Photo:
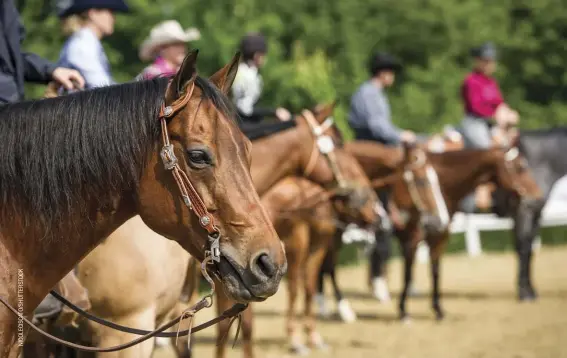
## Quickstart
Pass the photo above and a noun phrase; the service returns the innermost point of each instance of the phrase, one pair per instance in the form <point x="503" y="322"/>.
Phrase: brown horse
<point x="460" y="172"/>
<point x="406" y="172"/>
<point x="76" y="167"/>
<point x="307" y="235"/>
<point x="149" y="301"/>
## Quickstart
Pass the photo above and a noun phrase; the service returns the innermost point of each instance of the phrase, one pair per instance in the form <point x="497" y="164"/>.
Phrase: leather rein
<point x="193" y="201"/>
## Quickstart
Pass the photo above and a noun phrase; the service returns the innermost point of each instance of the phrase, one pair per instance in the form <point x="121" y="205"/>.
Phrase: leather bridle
<point x="323" y="144"/>
<point x="408" y="175"/>
<point x="190" y="197"/>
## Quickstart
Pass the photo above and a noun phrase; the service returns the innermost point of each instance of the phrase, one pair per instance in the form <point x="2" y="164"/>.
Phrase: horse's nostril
<point x="266" y="265"/>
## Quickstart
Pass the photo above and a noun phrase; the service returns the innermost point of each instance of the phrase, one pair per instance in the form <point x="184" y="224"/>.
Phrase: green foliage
<point x="318" y="49"/>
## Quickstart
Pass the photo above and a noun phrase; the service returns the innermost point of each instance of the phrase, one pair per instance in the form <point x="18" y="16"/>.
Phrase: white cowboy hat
<point x="166" y="32"/>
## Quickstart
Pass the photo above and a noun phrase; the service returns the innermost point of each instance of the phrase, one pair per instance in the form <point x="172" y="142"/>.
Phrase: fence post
<point x="536" y="245"/>
<point x="472" y="238"/>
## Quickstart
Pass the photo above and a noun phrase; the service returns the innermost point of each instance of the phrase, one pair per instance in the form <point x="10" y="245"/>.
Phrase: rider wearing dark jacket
<point x="17" y="67"/>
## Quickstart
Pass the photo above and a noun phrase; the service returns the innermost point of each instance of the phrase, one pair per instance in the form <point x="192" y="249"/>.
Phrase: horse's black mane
<point x="55" y="154"/>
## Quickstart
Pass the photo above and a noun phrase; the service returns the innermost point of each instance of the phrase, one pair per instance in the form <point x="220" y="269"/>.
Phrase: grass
<point x="492" y="241"/>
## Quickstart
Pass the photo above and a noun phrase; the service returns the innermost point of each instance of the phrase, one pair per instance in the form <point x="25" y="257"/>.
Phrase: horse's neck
<point x="543" y="154"/>
<point x="277" y="157"/>
<point x="47" y="254"/>
<point x="375" y="159"/>
<point x="463" y="173"/>
<point x="297" y="198"/>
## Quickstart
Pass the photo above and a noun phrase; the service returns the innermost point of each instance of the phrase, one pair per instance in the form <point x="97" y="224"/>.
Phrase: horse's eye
<point x="199" y="159"/>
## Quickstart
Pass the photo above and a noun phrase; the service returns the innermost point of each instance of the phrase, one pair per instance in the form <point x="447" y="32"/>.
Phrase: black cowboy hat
<point x="485" y="51"/>
<point x="383" y="61"/>
<point x="253" y="43"/>
<point x="71" y="7"/>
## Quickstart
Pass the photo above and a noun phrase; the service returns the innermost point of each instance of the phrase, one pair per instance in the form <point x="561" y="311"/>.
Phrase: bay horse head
<point x="198" y="190"/>
<point x="514" y="176"/>
<point x="419" y="190"/>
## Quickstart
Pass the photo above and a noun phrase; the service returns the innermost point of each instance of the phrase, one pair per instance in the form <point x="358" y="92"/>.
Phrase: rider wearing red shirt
<point x="483" y="102"/>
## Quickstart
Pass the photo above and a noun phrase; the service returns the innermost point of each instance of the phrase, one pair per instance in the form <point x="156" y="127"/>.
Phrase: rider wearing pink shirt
<point x="483" y="102"/>
<point x="167" y="47"/>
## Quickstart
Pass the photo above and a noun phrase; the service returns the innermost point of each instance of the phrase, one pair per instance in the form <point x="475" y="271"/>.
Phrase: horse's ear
<point x="324" y="111"/>
<point x="187" y="73"/>
<point x="224" y="77"/>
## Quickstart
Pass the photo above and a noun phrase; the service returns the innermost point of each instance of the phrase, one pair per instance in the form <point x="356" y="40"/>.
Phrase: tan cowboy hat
<point x="164" y="33"/>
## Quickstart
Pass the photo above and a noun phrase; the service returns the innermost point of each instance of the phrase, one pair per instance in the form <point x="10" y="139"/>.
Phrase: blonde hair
<point x="73" y="23"/>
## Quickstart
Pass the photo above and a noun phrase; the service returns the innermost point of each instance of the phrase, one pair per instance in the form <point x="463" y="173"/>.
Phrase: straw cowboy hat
<point x="165" y="33"/>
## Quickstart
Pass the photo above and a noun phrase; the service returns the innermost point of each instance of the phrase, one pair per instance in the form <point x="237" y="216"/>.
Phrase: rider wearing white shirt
<point x="247" y="86"/>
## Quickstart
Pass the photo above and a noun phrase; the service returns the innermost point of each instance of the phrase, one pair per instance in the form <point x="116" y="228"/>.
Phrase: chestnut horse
<point x="460" y="172"/>
<point x="149" y="300"/>
<point x="77" y="167"/>
<point x="406" y="172"/>
<point x="307" y="235"/>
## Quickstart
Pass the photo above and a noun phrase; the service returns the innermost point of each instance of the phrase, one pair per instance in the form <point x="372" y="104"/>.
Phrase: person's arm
<point x="377" y="115"/>
<point x="36" y="69"/>
<point x="85" y="57"/>
<point x="472" y="93"/>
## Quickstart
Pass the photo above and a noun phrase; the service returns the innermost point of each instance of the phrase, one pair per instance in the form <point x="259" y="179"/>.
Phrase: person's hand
<point x="514" y="118"/>
<point x="407" y="137"/>
<point x="68" y="78"/>
<point x="283" y="114"/>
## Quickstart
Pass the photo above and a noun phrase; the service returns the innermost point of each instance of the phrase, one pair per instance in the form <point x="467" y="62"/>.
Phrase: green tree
<point x="318" y="49"/>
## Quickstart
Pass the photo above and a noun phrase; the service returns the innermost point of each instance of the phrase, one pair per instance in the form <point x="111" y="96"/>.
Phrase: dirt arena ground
<point x="483" y="317"/>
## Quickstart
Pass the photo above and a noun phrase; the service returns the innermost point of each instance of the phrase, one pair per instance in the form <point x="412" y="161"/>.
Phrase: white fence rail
<point x="554" y="214"/>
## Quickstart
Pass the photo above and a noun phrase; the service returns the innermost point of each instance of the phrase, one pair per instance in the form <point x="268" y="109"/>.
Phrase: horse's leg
<point x="526" y="226"/>
<point x="319" y="246"/>
<point x="106" y="337"/>
<point x="296" y="252"/>
<point x="378" y="265"/>
<point x="408" y="242"/>
<point x="247" y="329"/>
<point x="320" y="297"/>
<point x="343" y="306"/>
<point x="223" y="303"/>
<point x="436" y="246"/>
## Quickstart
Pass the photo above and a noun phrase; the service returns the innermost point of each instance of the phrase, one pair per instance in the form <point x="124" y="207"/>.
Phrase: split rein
<point x="194" y="203"/>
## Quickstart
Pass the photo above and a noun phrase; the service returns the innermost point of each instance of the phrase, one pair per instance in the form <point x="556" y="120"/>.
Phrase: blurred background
<point x="318" y="49"/>
<point x="318" y="52"/>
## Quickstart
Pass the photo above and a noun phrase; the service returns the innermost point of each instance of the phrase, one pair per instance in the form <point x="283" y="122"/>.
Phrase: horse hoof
<point x="406" y="320"/>
<point x="345" y="311"/>
<point x="527" y="298"/>
<point x="439" y="316"/>
<point x="300" y="349"/>
<point x="527" y="295"/>
<point x="321" y="346"/>
<point x="380" y="290"/>
<point x="318" y="343"/>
